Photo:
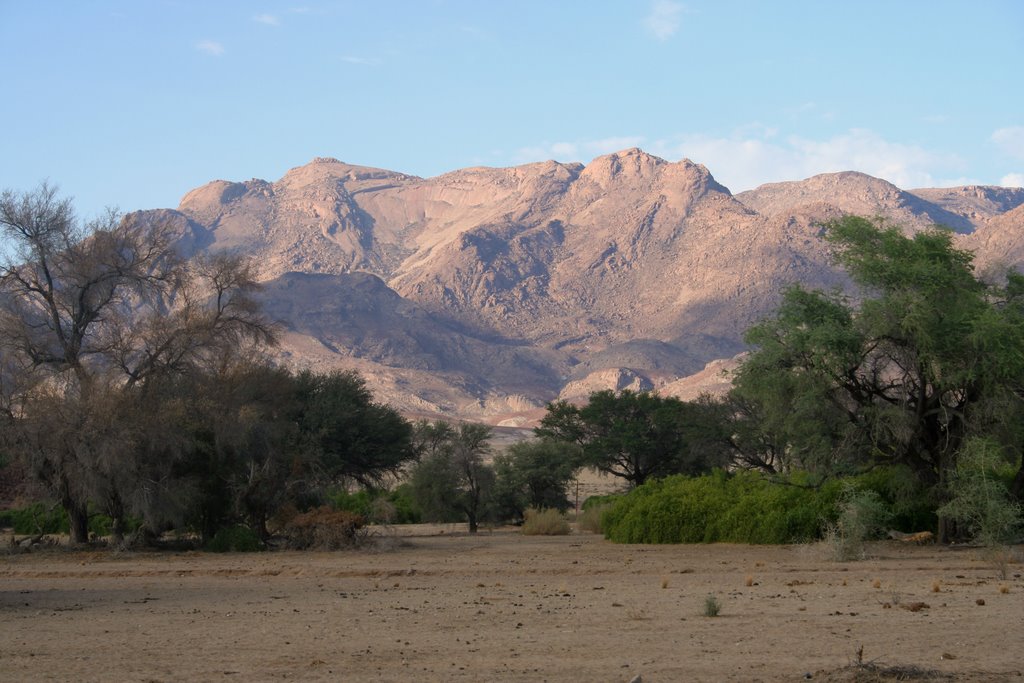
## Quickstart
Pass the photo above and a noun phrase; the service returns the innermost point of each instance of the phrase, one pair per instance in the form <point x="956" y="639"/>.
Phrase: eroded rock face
<point x="485" y="292"/>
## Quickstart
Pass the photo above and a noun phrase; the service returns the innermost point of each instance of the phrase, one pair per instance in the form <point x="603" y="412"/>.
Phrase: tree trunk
<point x="78" y="516"/>
<point x="473" y="526"/>
<point x="1017" y="488"/>
<point x="115" y="508"/>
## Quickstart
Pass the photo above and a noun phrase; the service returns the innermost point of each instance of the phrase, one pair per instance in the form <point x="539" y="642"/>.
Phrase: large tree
<point x="87" y="310"/>
<point x="348" y="434"/>
<point x="452" y="477"/>
<point x="901" y="375"/>
<point x="635" y="435"/>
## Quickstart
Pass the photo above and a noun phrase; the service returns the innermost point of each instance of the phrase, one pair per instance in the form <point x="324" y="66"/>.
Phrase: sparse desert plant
<point x="862" y="514"/>
<point x="980" y="501"/>
<point x="547" y="522"/>
<point x="1001" y="557"/>
<point x="936" y="586"/>
<point x="749" y="581"/>
<point x="712" y="606"/>
<point x="326" y="529"/>
<point x="383" y="511"/>
<point x="590" y="518"/>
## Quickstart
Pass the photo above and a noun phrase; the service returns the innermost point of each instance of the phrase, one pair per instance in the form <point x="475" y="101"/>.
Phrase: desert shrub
<point x="372" y="504"/>
<point x="744" y="507"/>
<point x="590" y="518"/>
<point x="600" y="501"/>
<point x="326" y="529"/>
<point x="35" y="519"/>
<point x="712" y="607"/>
<point x="910" y="504"/>
<point x="545" y="522"/>
<point x="980" y="500"/>
<point x="862" y="515"/>
<point x="40" y="518"/>
<point x="234" y="539"/>
<point x="406" y="511"/>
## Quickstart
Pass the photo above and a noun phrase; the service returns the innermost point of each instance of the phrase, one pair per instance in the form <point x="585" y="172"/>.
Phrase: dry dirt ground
<point x="498" y="606"/>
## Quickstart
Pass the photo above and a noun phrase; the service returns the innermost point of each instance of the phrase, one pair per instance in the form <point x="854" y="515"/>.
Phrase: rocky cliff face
<point x="485" y="292"/>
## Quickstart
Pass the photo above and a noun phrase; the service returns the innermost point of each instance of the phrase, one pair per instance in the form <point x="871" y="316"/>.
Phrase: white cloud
<point x="268" y="19"/>
<point x="664" y="18"/>
<point x="744" y="162"/>
<point x="1011" y="140"/>
<point x="210" y="47"/>
<point x="576" y="151"/>
<point x="362" y="61"/>
<point x="1012" y="180"/>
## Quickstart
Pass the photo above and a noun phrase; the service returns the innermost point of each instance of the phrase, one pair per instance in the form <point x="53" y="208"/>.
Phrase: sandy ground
<point x="499" y="606"/>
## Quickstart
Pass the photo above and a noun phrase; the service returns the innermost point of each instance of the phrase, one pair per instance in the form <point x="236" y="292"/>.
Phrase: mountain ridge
<point x="484" y="290"/>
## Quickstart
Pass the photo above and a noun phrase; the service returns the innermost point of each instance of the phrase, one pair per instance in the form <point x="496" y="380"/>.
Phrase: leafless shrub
<point x="326" y="529"/>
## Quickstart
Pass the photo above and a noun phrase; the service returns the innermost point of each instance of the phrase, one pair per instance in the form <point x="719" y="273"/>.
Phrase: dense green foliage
<point x="235" y="539"/>
<point x="452" y="479"/>
<point x="636" y="435"/>
<point x="980" y="499"/>
<point x="928" y="357"/>
<point x="718" y="507"/>
<point x="533" y="474"/>
<point x="375" y="504"/>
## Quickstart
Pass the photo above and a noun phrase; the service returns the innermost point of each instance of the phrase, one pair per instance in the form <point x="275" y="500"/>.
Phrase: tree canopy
<point x="902" y="374"/>
<point x="634" y="435"/>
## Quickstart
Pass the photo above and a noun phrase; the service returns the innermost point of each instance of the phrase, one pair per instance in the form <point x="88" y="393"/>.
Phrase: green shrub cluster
<point x="744" y="507"/>
<point x="235" y="539"/>
<point x="369" y="503"/>
<point x="40" y="518"/>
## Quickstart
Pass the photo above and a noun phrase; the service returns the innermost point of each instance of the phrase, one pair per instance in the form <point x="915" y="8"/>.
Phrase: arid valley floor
<point x="435" y="603"/>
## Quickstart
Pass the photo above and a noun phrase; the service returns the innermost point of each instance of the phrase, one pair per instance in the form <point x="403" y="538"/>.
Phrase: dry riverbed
<point x="444" y="605"/>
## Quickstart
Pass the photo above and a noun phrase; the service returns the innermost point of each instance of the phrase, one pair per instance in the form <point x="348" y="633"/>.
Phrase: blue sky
<point x="131" y="103"/>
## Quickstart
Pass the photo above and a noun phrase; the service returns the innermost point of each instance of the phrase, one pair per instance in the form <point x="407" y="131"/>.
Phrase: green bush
<point x="862" y="515"/>
<point x="720" y="507"/>
<point x="235" y="539"/>
<point x="37" y="518"/>
<point x="980" y="499"/>
<point x="365" y="503"/>
<point x="546" y="522"/>
<point x="910" y="505"/>
<point x="41" y="518"/>
<point x="600" y="501"/>
<point x="712" y="607"/>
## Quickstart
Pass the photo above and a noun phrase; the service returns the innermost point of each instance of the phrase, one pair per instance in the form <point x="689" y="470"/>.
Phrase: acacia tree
<point x="901" y="377"/>
<point x="452" y="477"/>
<point x="89" y="309"/>
<point x="534" y="474"/>
<point x="350" y="436"/>
<point x="635" y="435"/>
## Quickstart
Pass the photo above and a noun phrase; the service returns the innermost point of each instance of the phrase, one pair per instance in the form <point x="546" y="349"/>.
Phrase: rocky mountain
<point x="485" y="292"/>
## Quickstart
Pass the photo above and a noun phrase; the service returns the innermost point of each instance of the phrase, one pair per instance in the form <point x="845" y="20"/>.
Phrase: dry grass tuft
<point x="547" y="522"/>
<point x="936" y="586"/>
<point x="876" y="584"/>
<point x="1004" y="589"/>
